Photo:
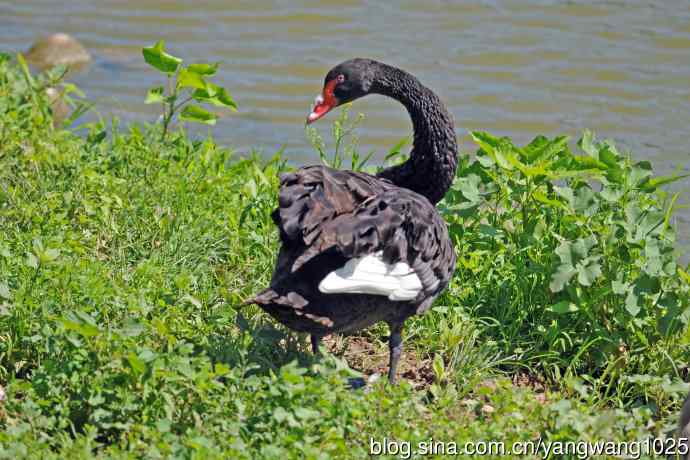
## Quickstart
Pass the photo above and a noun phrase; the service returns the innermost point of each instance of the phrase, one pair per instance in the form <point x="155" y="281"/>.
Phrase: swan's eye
<point x="340" y="78"/>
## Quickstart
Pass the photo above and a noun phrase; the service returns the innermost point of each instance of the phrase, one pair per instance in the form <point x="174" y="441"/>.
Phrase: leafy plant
<point x="344" y="139"/>
<point x="345" y="144"/>
<point x="582" y="266"/>
<point x="46" y="91"/>
<point x="184" y="85"/>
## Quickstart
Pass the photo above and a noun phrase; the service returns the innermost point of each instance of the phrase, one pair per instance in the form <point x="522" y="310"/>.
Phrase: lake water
<point x="510" y="67"/>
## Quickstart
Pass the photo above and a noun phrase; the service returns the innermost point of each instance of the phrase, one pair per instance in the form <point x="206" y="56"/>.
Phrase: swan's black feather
<point x="327" y="216"/>
<point x="358" y="214"/>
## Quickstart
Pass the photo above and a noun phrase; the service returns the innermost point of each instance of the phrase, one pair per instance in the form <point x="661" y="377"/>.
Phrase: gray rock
<point x="58" y="105"/>
<point x="57" y="49"/>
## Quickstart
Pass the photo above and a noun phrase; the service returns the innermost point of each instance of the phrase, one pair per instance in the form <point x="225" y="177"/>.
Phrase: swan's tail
<point x="262" y="298"/>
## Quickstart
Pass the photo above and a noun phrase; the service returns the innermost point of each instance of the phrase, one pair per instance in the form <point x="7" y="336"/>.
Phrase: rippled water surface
<point x="511" y="67"/>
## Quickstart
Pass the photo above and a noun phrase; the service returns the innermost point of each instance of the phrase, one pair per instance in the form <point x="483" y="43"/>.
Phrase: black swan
<point x="356" y="248"/>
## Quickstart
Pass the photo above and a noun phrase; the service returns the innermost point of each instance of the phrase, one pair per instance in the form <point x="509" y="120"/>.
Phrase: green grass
<point x="123" y="260"/>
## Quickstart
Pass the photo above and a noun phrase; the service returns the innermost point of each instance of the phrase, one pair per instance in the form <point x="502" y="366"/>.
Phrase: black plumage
<point x="327" y="217"/>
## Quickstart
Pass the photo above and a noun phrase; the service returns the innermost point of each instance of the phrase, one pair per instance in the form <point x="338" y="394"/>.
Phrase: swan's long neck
<point x="433" y="159"/>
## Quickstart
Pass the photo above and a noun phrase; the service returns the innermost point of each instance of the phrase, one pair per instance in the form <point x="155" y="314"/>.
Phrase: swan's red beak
<point x="324" y="102"/>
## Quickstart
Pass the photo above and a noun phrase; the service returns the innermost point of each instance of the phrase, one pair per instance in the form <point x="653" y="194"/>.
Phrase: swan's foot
<point x="395" y="346"/>
<point x="315" y="342"/>
<point x="355" y="383"/>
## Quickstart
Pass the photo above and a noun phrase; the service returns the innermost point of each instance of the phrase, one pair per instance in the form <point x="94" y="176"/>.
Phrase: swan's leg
<point x="395" y="346"/>
<point x="315" y="340"/>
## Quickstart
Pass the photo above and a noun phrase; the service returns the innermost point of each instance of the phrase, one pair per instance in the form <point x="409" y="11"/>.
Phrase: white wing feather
<point x="371" y="275"/>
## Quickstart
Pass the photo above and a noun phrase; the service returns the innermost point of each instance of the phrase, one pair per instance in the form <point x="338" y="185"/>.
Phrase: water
<point x="511" y="67"/>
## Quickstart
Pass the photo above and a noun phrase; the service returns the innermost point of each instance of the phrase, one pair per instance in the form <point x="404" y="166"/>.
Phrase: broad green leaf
<point x="31" y="260"/>
<point x="156" y="57"/>
<point x="564" y="306"/>
<point x="83" y="317"/>
<point x="677" y="387"/>
<point x="669" y="210"/>
<point x="163" y="425"/>
<point x="280" y="414"/>
<point x="220" y="369"/>
<point x="306" y="414"/>
<point x="542" y="148"/>
<point x="198" y="114"/>
<point x="542" y="198"/>
<point x="673" y="310"/>
<point x="619" y="287"/>
<point x="147" y="355"/>
<point x="608" y="157"/>
<point x="653" y="184"/>
<point x="529" y="171"/>
<point x="137" y="364"/>
<point x="155" y="95"/>
<point x="485" y="160"/>
<point x="191" y="299"/>
<point x="640" y="173"/>
<point x="561" y="277"/>
<point x="647" y="284"/>
<point x="632" y="303"/>
<point x="584" y="201"/>
<point x="572" y="252"/>
<point x="493" y="147"/>
<point x="49" y="255"/>
<point x="587" y="274"/>
<point x="250" y="188"/>
<point x="488" y="230"/>
<point x="501" y="160"/>
<point x="5" y="291"/>
<point x="684" y="275"/>
<point x="611" y="194"/>
<point x="486" y="141"/>
<point x="37" y="244"/>
<point x="616" y="176"/>
<point x="206" y="70"/>
<point x="653" y="266"/>
<point x="469" y="187"/>
<point x="439" y="367"/>
<point x="567" y="193"/>
<point x="587" y="144"/>
<point x="201" y="443"/>
<point x="583" y="162"/>
<point x="564" y="252"/>
<point x="132" y="328"/>
<point x="187" y="79"/>
<point x="556" y="174"/>
<point x="536" y="145"/>
<point x="81" y="323"/>
<point x="651" y="223"/>
<point x="214" y="94"/>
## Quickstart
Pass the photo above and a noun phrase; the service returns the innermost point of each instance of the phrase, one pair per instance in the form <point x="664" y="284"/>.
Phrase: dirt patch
<point x="533" y="382"/>
<point x="370" y="356"/>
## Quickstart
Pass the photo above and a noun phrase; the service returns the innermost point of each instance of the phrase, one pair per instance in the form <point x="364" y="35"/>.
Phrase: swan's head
<point x="344" y="83"/>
